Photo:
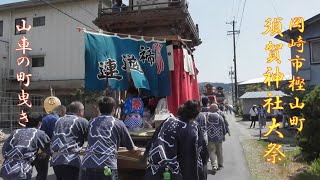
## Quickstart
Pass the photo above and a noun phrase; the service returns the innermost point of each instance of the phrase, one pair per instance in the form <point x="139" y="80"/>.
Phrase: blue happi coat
<point x="178" y="146"/>
<point x="20" y="150"/>
<point x="106" y="133"/>
<point x="68" y="137"/>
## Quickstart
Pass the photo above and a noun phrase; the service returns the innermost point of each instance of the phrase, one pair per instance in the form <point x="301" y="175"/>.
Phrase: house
<point x="256" y="98"/>
<point x="259" y="82"/>
<point x="4" y="55"/>
<point x="310" y="70"/>
<point x="57" y="56"/>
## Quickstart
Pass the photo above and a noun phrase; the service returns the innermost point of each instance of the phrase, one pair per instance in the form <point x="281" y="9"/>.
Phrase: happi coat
<point x="105" y="136"/>
<point x="179" y="147"/>
<point x="68" y="138"/>
<point x="20" y="150"/>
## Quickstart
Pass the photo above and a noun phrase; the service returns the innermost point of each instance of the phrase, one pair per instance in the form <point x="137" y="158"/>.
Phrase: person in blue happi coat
<point x="54" y="112"/>
<point x="105" y="135"/>
<point x="21" y="148"/>
<point x="178" y="147"/>
<point x="133" y="110"/>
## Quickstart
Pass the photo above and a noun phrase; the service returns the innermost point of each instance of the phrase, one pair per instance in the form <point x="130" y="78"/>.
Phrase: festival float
<point x="221" y="98"/>
<point x="210" y="92"/>
<point x="148" y="46"/>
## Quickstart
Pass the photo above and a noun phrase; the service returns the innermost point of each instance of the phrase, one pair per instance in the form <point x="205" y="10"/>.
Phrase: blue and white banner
<point x="111" y="57"/>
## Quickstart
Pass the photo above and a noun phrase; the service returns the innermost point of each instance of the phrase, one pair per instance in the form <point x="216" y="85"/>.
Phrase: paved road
<point x="51" y="175"/>
<point x="235" y="166"/>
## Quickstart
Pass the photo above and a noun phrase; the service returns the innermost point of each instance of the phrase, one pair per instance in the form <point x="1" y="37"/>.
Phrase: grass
<point x="286" y="169"/>
<point x="289" y="154"/>
<point x="264" y="144"/>
<point x="263" y="170"/>
<point x="289" y="157"/>
<point x="260" y="169"/>
<point x="315" y="167"/>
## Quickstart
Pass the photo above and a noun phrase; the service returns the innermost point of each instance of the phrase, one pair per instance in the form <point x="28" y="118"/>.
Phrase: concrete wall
<point x="58" y="41"/>
<point x="4" y="58"/>
<point x="309" y="71"/>
<point x="248" y="103"/>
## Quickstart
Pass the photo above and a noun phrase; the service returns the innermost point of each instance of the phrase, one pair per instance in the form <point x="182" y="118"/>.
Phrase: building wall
<point x="145" y="2"/>
<point x="58" y="41"/>
<point x="309" y="71"/>
<point x="248" y="103"/>
<point x="4" y="58"/>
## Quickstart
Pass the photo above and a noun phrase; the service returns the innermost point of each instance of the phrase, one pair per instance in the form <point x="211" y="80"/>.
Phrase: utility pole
<point x="234" y="32"/>
<point x="231" y="73"/>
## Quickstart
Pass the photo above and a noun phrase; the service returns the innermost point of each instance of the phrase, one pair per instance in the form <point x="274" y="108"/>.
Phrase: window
<point x="315" y="51"/>
<point x="38" y="62"/>
<point x="1" y="28"/>
<point x="39" y="21"/>
<point x="19" y="22"/>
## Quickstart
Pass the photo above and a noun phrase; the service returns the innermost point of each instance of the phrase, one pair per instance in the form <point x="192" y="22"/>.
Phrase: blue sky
<point x="214" y="56"/>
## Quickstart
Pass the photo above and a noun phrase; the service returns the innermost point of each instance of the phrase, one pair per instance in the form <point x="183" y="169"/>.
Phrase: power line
<point x="274" y="8"/>
<point x="238" y="9"/>
<point x="244" y="6"/>
<point x="87" y="11"/>
<point x="66" y="14"/>
<point x="232" y="8"/>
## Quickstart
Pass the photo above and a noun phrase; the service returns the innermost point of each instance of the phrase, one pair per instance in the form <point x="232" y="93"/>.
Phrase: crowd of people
<point x="259" y="113"/>
<point x="181" y="145"/>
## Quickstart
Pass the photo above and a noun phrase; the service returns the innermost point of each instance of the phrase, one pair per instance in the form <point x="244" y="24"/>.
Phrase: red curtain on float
<point x="183" y="86"/>
<point x="194" y="84"/>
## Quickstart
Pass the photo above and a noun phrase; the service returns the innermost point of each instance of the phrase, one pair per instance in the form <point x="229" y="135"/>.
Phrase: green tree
<point x="257" y="87"/>
<point x="87" y="97"/>
<point x="292" y="94"/>
<point x="309" y="138"/>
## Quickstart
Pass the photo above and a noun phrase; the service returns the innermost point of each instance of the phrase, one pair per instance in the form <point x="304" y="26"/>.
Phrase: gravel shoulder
<point x="254" y="149"/>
